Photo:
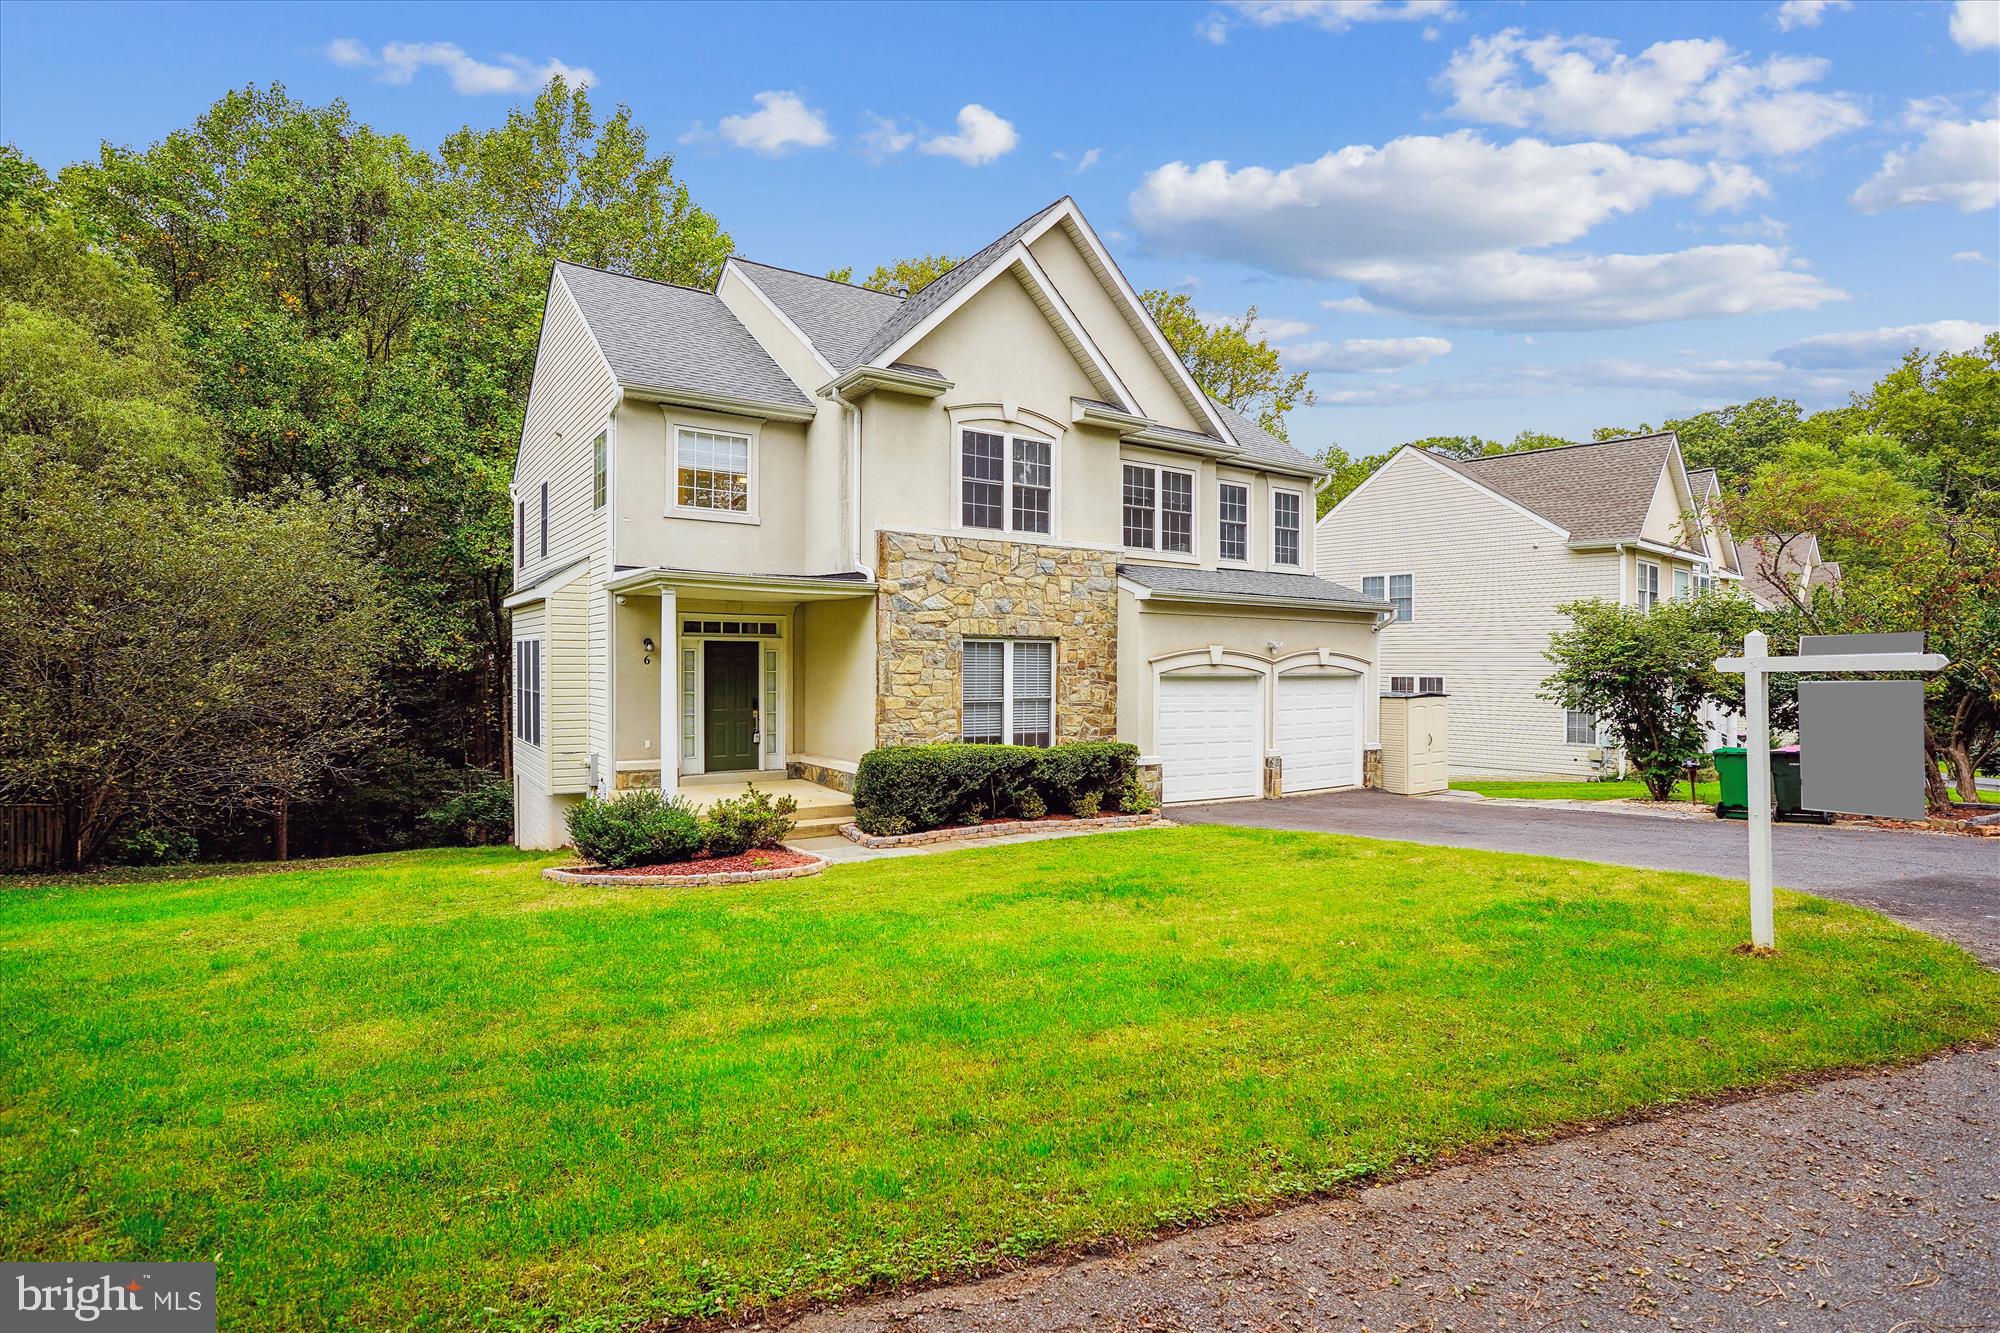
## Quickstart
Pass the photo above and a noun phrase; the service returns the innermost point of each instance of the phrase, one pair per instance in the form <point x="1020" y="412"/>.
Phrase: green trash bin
<point x="1732" y="773"/>
<point x="1785" y="788"/>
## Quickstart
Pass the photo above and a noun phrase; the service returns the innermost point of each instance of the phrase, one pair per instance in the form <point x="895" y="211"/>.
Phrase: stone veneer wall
<point x="933" y="593"/>
<point x="1371" y="767"/>
<point x="834" y="779"/>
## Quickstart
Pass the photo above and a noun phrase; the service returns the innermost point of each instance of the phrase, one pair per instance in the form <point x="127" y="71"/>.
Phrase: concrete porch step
<point x="821" y="824"/>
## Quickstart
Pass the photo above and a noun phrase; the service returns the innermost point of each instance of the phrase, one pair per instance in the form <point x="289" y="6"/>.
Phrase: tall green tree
<point x="1232" y="365"/>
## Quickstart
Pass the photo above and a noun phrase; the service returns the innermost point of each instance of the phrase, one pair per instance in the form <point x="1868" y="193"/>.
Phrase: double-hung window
<point x="1159" y="509"/>
<point x="1233" y="505"/>
<point x="711" y="471"/>
<point x="1006" y="482"/>
<point x="1683" y="585"/>
<point x="1579" y="728"/>
<point x="520" y="533"/>
<point x="545" y="520"/>
<point x="1399" y="590"/>
<point x="1285" y="508"/>
<point x="1007" y="691"/>
<point x="528" y="691"/>
<point x="1649" y="585"/>
<point x="600" y="469"/>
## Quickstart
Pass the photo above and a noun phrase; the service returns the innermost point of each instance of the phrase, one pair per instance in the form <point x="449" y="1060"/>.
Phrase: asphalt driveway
<point x="1941" y="883"/>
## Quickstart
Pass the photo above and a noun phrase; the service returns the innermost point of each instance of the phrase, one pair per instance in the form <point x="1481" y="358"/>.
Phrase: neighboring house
<point x="1783" y="569"/>
<point x="764" y="529"/>
<point x="1475" y="556"/>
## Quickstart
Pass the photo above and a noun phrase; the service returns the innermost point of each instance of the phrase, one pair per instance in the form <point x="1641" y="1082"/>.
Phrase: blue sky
<point x="1464" y="218"/>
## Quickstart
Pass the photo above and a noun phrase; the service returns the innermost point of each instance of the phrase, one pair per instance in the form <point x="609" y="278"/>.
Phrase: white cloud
<point x="1269" y="329"/>
<point x="1970" y="257"/>
<point x="1213" y="28"/>
<point x="399" y="63"/>
<point x="1806" y="13"/>
<point x="1340" y="15"/>
<point x="1348" y="305"/>
<point x="1732" y="186"/>
<point x="1765" y="228"/>
<point x="1694" y="94"/>
<point x="1956" y="163"/>
<point x="1879" y="349"/>
<point x="1088" y="160"/>
<point x="1362" y="354"/>
<point x="1414" y="197"/>
<point x="782" y="121"/>
<point x="1975" y="25"/>
<point x="982" y="137"/>
<point x="884" y="137"/>
<point x="1511" y="290"/>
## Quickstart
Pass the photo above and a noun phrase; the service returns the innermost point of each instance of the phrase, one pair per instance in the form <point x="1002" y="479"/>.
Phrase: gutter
<point x="721" y="402"/>
<point x="1141" y="593"/>
<point x="745" y="582"/>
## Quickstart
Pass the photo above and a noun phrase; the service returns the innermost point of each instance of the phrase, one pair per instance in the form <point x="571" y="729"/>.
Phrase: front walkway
<point x="1942" y="883"/>
<point x="1870" y="1202"/>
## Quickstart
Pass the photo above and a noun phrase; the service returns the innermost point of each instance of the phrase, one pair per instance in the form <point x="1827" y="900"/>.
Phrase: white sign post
<point x="1756" y="665"/>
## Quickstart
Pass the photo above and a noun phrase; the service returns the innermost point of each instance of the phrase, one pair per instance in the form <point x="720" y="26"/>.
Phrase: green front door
<point x="731" y="703"/>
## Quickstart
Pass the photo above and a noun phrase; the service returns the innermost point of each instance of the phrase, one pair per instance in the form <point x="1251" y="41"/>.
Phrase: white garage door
<point x="1318" y="722"/>
<point x="1211" y="737"/>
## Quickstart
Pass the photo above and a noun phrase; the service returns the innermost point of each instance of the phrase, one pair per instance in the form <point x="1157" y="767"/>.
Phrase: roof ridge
<point x="634" y="277"/>
<point x="817" y="277"/>
<point x="1554" y="448"/>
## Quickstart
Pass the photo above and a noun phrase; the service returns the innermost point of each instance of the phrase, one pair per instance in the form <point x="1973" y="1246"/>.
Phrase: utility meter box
<point x="1415" y="758"/>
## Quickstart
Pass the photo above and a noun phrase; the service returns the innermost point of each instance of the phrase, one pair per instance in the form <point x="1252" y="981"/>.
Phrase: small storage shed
<point x="1415" y="757"/>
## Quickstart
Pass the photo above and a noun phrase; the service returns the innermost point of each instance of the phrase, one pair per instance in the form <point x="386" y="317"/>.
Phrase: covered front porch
<point x="717" y="680"/>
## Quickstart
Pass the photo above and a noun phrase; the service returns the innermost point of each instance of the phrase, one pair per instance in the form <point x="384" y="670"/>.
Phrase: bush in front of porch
<point x="914" y="788"/>
<point x="644" y="828"/>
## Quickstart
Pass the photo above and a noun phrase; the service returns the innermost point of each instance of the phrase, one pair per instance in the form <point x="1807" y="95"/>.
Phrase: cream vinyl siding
<point x="538" y="811"/>
<point x="1667" y="514"/>
<point x="1488" y="581"/>
<point x="570" y="403"/>
<point x="567" y="668"/>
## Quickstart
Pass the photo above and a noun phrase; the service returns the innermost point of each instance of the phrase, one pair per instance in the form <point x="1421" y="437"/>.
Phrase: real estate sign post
<point x="1864" y="653"/>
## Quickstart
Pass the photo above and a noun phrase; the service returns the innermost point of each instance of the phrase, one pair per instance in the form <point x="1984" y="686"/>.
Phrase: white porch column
<point x="670" y="693"/>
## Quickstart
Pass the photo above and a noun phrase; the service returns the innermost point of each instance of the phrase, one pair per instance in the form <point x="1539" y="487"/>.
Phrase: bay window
<point x="1159" y="509"/>
<point x="528" y="691"/>
<point x="1285" y="510"/>
<point x="1007" y="691"/>
<point x="1233" y="504"/>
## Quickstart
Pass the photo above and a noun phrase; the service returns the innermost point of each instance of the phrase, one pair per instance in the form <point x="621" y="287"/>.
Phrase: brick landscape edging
<point x="970" y="832"/>
<point x="563" y="875"/>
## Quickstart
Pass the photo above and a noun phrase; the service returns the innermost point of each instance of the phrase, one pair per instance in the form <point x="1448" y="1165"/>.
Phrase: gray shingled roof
<point x="658" y="336"/>
<point x="1259" y="445"/>
<point x="1599" y="491"/>
<point x="839" y="319"/>
<point x="1250" y="583"/>
<point x="941" y="289"/>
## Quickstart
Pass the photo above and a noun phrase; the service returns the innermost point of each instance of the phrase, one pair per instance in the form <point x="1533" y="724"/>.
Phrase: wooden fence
<point x="30" y="837"/>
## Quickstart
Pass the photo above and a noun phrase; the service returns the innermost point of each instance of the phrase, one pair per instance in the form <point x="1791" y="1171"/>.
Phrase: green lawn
<point x="434" y="1090"/>
<point x="1616" y="789"/>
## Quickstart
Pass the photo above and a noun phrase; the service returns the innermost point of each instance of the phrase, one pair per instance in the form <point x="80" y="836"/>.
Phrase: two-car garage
<point x="1217" y="722"/>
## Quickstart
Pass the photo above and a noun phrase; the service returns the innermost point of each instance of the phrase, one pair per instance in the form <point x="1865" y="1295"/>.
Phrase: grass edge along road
<point x="434" y="1090"/>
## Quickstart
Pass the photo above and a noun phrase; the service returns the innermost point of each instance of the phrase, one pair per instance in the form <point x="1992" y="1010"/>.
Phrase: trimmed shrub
<point x="1133" y="798"/>
<point x="636" y="828"/>
<point x="480" y="816"/>
<point x="914" y="788"/>
<point x="754" y="819"/>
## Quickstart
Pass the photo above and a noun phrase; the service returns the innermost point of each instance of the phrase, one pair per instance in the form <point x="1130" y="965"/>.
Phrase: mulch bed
<point x="995" y="828"/>
<point x="770" y="858"/>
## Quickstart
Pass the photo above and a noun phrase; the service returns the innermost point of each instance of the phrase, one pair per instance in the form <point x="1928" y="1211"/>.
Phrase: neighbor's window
<point x="1683" y="585"/>
<point x="600" y="465"/>
<point x="1005" y="482"/>
<point x="1399" y="590"/>
<point x="1416" y="684"/>
<point x="712" y="471"/>
<point x="1007" y="689"/>
<point x="1704" y="583"/>
<point x="1649" y="586"/>
<point x="1159" y="509"/>
<point x="528" y="691"/>
<point x="1285" y="527"/>
<point x="1233" y="504"/>
<point x="1579" y="728"/>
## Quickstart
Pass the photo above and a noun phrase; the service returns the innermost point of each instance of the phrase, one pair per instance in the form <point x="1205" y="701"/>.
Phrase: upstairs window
<point x="1648" y="586"/>
<point x="520" y="533"/>
<point x="712" y="471"/>
<point x="1233" y="504"/>
<point x="1006" y="483"/>
<point x="1285" y="509"/>
<point x="1399" y="590"/>
<point x="1683" y="585"/>
<point x="600" y="469"/>
<point x="528" y="691"/>
<point x="1007" y="691"/>
<point x="545" y="520"/>
<point x="1159" y="509"/>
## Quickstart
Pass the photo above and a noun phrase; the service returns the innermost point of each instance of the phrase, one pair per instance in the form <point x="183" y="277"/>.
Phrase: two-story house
<point x="763" y="529"/>
<point x="1476" y="555"/>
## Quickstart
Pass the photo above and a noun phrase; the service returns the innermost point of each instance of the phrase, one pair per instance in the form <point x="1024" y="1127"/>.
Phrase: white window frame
<point x="1249" y="490"/>
<point x="690" y="743"/>
<point x="1645" y="592"/>
<point x="1385" y="589"/>
<point x="1595" y="727"/>
<point x="1009" y="434"/>
<point x="1300" y="532"/>
<point x="1007" y="647"/>
<point x="1157" y="549"/>
<point x="600" y="469"/>
<point x="530" y="696"/>
<point x="677" y="423"/>
<point x="1416" y="683"/>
